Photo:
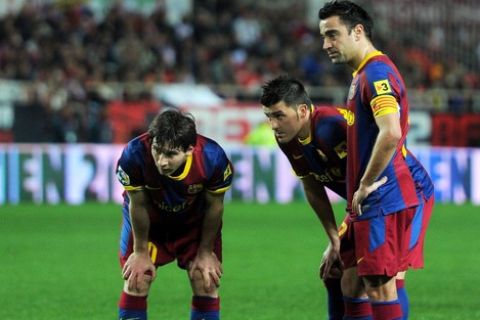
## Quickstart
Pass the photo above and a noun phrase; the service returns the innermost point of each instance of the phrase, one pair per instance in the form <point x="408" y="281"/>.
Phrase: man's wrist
<point x="204" y="250"/>
<point x="365" y="183"/>
<point x="141" y="249"/>
<point x="335" y="243"/>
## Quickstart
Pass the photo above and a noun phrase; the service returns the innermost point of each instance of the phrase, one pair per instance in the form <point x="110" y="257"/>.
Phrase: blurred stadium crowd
<point x="71" y="59"/>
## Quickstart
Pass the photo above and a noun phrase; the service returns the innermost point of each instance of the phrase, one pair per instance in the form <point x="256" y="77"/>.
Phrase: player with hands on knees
<point x="175" y="181"/>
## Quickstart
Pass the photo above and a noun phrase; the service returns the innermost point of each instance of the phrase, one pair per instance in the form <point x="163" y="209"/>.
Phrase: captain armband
<point x="383" y="105"/>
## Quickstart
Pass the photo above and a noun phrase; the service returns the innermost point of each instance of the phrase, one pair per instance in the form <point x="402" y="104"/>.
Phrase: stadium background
<point x="79" y="78"/>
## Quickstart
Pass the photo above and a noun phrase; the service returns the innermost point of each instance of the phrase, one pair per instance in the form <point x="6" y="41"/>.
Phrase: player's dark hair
<point x="173" y="129"/>
<point x="286" y="89"/>
<point x="351" y="14"/>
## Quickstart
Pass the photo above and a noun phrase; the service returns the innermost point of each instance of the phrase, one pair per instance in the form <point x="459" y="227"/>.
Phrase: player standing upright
<point x="384" y="230"/>
<point x="175" y="182"/>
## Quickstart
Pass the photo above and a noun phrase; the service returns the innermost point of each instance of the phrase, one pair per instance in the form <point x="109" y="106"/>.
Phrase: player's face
<point x="338" y="42"/>
<point x="169" y="160"/>
<point x="285" y="122"/>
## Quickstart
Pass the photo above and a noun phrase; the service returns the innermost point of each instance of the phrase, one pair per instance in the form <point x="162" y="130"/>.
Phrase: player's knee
<point x="380" y="288"/>
<point x="198" y="285"/>
<point x="401" y="275"/>
<point x="195" y="276"/>
<point x="142" y="289"/>
<point x="352" y="285"/>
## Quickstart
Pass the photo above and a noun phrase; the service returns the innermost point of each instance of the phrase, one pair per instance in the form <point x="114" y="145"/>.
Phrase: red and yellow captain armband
<point x="383" y="105"/>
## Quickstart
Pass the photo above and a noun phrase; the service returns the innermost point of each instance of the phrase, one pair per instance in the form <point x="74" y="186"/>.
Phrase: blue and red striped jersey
<point x="182" y="196"/>
<point x="324" y="153"/>
<point x="377" y="76"/>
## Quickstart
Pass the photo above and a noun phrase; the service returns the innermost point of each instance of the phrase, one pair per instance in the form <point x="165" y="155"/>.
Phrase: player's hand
<point x="331" y="265"/>
<point x="209" y="267"/>
<point x="137" y="270"/>
<point x="363" y="192"/>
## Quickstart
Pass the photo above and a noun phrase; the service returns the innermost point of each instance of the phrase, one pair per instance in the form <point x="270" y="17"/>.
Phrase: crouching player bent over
<point x="175" y="180"/>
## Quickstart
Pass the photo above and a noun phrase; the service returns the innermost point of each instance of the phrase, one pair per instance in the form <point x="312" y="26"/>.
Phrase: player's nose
<point x="326" y="45"/>
<point x="162" y="160"/>
<point x="273" y="124"/>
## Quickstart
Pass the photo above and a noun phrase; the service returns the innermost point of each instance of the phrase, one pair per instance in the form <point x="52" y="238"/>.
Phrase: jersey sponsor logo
<point x="123" y="177"/>
<point x="341" y="149"/>
<point x="326" y="177"/>
<point x="227" y="173"/>
<point x="297" y="156"/>
<point x="382" y="86"/>
<point x="347" y="115"/>
<point x="172" y="208"/>
<point x="195" y="188"/>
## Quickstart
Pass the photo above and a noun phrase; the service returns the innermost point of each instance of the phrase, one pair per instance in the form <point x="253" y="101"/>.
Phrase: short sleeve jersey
<point x="324" y="153"/>
<point x="377" y="76"/>
<point x="206" y="170"/>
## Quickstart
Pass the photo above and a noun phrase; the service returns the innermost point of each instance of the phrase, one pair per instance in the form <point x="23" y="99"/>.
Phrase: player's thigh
<point x="160" y="253"/>
<point x="186" y="247"/>
<point x="418" y="229"/>
<point x="380" y="287"/>
<point x="380" y="243"/>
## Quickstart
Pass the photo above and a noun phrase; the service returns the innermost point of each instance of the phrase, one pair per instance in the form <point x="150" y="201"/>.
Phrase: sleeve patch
<point x="123" y="177"/>
<point x="227" y="173"/>
<point x="382" y="87"/>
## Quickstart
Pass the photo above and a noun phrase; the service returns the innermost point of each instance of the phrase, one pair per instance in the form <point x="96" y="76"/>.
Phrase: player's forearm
<point x="329" y="225"/>
<point x="382" y="153"/>
<point x="211" y="225"/>
<point x="140" y="225"/>
<point x="325" y="214"/>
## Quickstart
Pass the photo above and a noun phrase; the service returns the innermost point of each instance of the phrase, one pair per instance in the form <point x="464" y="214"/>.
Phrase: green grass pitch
<point x="60" y="262"/>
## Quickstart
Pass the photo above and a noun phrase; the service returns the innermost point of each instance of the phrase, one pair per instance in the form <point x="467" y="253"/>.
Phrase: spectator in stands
<point x="71" y="47"/>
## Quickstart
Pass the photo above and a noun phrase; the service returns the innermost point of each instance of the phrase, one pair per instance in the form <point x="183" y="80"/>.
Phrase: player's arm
<point x="206" y="261"/>
<point x="139" y="262"/>
<point x="388" y="121"/>
<point x="318" y="200"/>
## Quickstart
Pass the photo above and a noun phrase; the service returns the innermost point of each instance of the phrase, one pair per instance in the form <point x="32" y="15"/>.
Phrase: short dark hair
<point x="286" y="89"/>
<point x="173" y="129"/>
<point x="350" y="13"/>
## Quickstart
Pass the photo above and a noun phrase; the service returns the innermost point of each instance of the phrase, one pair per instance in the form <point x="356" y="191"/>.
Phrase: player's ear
<point x="189" y="149"/>
<point x="357" y="31"/>
<point x="303" y="110"/>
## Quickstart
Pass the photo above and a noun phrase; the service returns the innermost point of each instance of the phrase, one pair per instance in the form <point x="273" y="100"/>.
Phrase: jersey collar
<point x="186" y="169"/>
<point x="308" y="139"/>
<point x="369" y="56"/>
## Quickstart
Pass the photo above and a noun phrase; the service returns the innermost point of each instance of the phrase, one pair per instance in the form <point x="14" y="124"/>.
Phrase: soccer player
<point x="314" y="141"/>
<point x="384" y="225"/>
<point x="174" y="181"/>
